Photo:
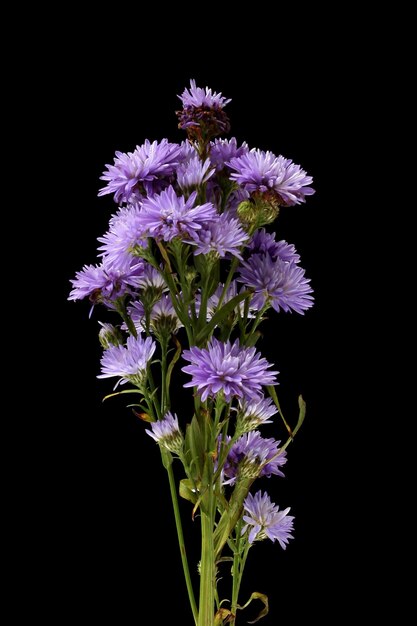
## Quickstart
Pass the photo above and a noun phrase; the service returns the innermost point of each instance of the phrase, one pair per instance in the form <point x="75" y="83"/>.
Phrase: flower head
<point x="102" y="283"/>
<point x="223" y="236"/>
<point x="223" y="150"/>
<point x="234" y="370"/>
<point x="197" y="97"/>
<point x="264" y="243"/>
<point x="202" y="113"/>
<point x="125" y="233"/>
<point x="152" y="285"/>
<point x="194" y="172"/>
<point x="128" y="362"/>
<point x="167" y="433"/>
<point x="109" y="335"/>
<point x="252" y="456"/>
<point x="136" y="172"/>
<point x="166" y="216"/>
<point x="259" y="171"/>
<point x="264" y="519"/>
<point x="277" y="283"/>
<point x="254" y="413"/>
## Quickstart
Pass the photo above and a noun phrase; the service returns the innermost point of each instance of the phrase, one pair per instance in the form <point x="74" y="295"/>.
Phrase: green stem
<point x="239" y="562"/>
<point x="235" y="571"/>
<point x="181" y="543"/>
<point x="121" y="309"/>
<point x="232" y="270"/>
<point x="165" y="402"/>
<point x="207" y="576"/>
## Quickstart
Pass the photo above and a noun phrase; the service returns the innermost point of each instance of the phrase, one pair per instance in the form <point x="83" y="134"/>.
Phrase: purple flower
<point x="264" y="243"/>
<point x="276" y="283"/>
<point x="266" y="520"/>
<point x="166" y="215"/>
<point x="128" y="362"/>
<point x="135" y="172"/>
<point x="252" y="456"/>
<point x="162" y="316"/>
<point x="223" y="236"/>
<point x="236" y="371"/>
<point x="102" y="283"/>
<point x="152" y="279"/>
<point x="223" y="150"/>
<point x="193" y="173"/>
<point x="125" y="233"/>
<point x="167" y="433"/>
<point x="202" y="113"/>
<point x="254" y="413"/>
<point x="262" y="171"/>
<point x="198" y="97"/>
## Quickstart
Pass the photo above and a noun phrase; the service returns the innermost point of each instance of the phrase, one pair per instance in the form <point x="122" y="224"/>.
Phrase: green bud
<point x="109" y="335"/>
<point x="259" y="210"/>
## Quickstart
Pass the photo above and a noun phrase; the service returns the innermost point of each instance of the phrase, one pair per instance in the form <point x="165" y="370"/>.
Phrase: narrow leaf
<point x="220" y="315"/>
<point x="273" y="394"/>
<point x="186" y="490"/>
<point x="257" y="596"/>
<point x="173" y="361"/>
<point x="119" y="393"/>
<point x="301" y="414"/>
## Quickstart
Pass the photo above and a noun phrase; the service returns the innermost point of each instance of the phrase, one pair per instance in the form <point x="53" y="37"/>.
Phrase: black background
<point x="107" y="540"/>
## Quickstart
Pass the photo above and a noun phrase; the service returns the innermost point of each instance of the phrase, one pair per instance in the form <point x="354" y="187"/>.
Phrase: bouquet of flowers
<point x="187" y="273"/>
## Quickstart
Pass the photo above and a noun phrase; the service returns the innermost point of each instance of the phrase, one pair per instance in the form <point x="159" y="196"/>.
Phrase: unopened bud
<point x="109" y="335"/>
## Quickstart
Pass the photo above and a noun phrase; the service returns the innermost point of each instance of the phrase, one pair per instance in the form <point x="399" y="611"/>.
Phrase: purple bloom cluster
<point x="254" y="413"/>
<point x="253" y="456"/>
<point x="186" y="240"/>
<point x="134" y="173"/>
<point x="130" y="362"/>
<point x="278" y="283"/>
<point x="197" y="97"/>
<point x="224" y="150"/>
<point x="264" y="520"/>
<point x="228" y="368"/>
<point x="225" y="235"/>
<point x="167" y="433"/>
<point x="103" y="283"/>
<point x="261" y="171"/>
<point x="166" y="216"/>
<point x="264" y="243"/>
<point x="202" y="113"/>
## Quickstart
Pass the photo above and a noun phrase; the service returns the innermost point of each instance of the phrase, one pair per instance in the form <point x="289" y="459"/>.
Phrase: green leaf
<point x="173" y="361"/>
<point x="194" y="448"/>
<point x="273" y="394"/>
<point x="257" y="596"/>
<point x="301" y="415"/>
<point x="187" y="490"/>
<point x="119" y="393"/>
<point x="220" y="315"/>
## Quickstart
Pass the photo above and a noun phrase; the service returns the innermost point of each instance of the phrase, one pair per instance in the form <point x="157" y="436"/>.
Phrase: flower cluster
<point x="190" y="269"/>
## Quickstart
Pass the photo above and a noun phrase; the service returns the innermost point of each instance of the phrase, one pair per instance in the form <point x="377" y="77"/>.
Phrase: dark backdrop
<point x="108" y="541"/>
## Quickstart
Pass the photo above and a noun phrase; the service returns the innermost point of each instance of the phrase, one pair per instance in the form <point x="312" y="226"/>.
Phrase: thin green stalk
<point x="239" y="562"/>
<point x="165" y="402"/>
<point x="207" y="571"/>
<point x="256" y="322"/>
<point x="232" y="270"/>
<point x="121" y="308"/>
<point x="181" y="543"/>
<point x="153" y="394"/>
